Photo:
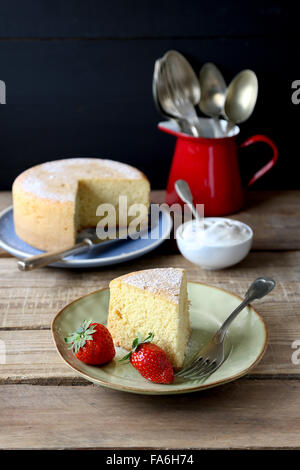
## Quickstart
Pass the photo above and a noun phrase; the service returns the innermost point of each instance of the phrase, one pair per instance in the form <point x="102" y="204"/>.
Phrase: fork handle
<point x="222" y="331"/>
<point x="258" y="289"/>
<point x="44" y="259"/>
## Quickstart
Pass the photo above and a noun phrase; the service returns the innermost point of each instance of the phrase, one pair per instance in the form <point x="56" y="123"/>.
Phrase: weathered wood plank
<point x="30" y="300"/>
<point x="255" y="414"/>
<point x="274" y="217"/>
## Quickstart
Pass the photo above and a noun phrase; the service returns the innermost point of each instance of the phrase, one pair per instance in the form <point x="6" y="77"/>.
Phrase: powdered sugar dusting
<point x="166" y="280"/>
<point x="58" y="180"/>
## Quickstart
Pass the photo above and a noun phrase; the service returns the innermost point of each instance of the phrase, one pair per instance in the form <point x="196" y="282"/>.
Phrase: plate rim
<point x="93" y="262"/>
<point x="125" y="388"/>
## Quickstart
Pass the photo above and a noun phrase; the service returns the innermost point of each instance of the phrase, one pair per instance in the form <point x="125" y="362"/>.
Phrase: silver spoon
<point x="180" y="90"/>
<point x="212" y="356"/>
<point x="213" y="92"/>
<point x="241" y="98"/>
<point x="183" y="190"/>
<point x="156" y="78"/>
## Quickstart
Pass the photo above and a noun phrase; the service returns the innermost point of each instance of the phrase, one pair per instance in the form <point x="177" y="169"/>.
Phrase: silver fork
<point x="211" y="357"/>
<point x="183" y="104"/>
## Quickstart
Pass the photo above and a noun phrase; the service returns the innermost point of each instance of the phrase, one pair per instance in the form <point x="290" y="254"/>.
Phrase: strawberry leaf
<point x="136" y="343"/>
<point x="127" y="356"/>
<point x="149" y="338"/>
<point x="78" y="339"/>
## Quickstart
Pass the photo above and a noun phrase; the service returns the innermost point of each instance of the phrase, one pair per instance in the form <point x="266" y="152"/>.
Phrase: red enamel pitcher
<point x="210" y="166"/>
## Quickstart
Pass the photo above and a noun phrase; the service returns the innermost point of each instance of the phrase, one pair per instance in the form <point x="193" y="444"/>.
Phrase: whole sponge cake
<point x="54" y="200"/>
<point x="153" y="300"/>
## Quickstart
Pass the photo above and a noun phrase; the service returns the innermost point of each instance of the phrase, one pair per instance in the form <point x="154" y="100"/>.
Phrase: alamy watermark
<point x="135" y="221"/>
<point x="296" y="93"/>
<point x="2" y="92"/>
<point x="296" y="354"/>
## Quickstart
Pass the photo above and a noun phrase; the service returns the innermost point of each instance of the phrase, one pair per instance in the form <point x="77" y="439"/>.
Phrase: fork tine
<point x="207" y="373"/>
<point x="192" y="365"/>
<point x="191" y="370"/>
<point x="201" y="371"/>
<point x="198" y="370"/>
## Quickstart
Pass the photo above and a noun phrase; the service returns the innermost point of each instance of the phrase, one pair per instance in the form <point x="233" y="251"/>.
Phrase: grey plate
<point x="118" y="252"/>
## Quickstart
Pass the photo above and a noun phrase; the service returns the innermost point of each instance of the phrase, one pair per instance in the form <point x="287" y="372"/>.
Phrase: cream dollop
<point x="216" y="232"/>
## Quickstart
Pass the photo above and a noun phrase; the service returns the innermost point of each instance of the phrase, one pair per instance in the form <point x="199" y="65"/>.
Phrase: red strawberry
<point x="92" y="343"/>
<point x="150" y="360"/>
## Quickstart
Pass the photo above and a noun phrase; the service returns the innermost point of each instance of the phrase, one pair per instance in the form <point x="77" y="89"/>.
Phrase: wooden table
<point x="43" y="404"/>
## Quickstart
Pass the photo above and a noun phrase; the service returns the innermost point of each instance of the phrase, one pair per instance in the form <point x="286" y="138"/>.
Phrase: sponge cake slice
<point x="153" y="300"/>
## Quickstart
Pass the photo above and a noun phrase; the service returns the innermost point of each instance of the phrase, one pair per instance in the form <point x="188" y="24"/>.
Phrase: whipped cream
<point x="215" y="232"/>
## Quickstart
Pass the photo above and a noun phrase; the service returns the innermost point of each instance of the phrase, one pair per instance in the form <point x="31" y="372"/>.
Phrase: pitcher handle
<point x="270" y="164"/>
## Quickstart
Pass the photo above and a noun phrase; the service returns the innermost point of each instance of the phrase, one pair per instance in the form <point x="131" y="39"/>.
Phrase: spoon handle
<point x="230" y="126"/>
<point x="195" y="126"/>
<point x="183" y="190"/>
<point x="218" y="128"/>
<point x="195" y="213"/>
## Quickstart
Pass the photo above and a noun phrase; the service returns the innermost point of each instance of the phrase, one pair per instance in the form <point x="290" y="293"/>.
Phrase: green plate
<point x="245" y="343"/>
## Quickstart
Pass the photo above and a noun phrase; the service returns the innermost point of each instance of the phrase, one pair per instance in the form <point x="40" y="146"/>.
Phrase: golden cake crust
<point x="45" y="197"/>
<point x="57" y="180"/>
<point x="164" y="282"/>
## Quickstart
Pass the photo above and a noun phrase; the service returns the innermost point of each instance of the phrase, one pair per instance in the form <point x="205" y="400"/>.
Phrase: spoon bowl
<point x="213" y="92"/>
<point x="184" y="78"/>
<point x="241" y="98"/>
<point x="155" y="82"/>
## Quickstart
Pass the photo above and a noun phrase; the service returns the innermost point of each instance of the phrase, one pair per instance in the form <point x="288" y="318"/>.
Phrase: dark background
<point x="78" y="76"/>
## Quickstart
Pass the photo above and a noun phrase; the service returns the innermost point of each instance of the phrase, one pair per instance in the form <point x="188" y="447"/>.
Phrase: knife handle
<point x="44" y="259"/>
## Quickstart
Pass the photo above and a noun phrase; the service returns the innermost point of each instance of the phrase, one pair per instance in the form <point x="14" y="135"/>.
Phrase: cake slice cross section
<point x="153" y="300"/>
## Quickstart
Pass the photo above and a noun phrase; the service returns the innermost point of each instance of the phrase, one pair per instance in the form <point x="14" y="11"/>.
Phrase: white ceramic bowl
<point x="213" y="256"/>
